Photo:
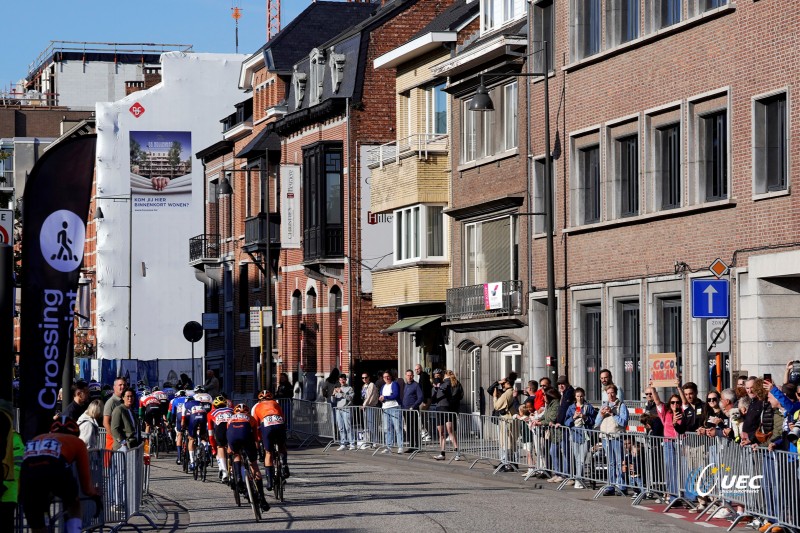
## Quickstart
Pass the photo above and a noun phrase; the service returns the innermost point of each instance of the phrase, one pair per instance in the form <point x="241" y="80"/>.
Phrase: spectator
<point x="89" y="424"/>
<point x="412" y="399"/>
<point x="502" y="404"/>
<point x="330" y="383"/>
<point x="773" y="441"/>
<point x="759" y="415"/>
<point x="633" y="466"/>
<point x="11" y="443"/>
<point x="656" y="426"/>
<point x="612" y="419"/>
<point x="526" y="434"/>
<point x="741" y="382"/>
<point x="390" y="396"/>
<point x="186" y="382"/>
<point x="607" y="379"/>
<point x="580" y="417"/>
<point x="369" y="405"/>
<point x="309" y="392"/>
<point x="342" y="396"/>
<point x="553" y="435"/>
<point x="400" y="382"/>
<point x="284" y="389"/>
<point x="535" y="394"/>
<point x="544" y="383"/>
<point x="672" y="417"/>
<point x="125" y="423"/>
<point x="114" y="401"/>
<point x="442" y="403"/>
<point x="212" y="383"/>
<point x="694" y="410"/>
<point x="424" y="381"/>
<point x="727" y="403"/>
<point x="567" y="399"/>
<point x="80" y="400"/>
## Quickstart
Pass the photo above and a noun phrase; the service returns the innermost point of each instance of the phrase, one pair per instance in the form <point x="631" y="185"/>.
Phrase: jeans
<point x="345" y="425"/>
<point x="613" y="447"/>
<point x="371" y="431"/>
<point x="394" y="426"/>
<point x="579" y="450"/>
<point x="555" y="458"/>
<point x="671" y="466"/>
<point x="769" y="485"/>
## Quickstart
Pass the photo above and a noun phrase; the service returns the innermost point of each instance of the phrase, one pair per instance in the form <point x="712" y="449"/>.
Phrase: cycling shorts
<point x="152" y="416"/>
<point x="49" y="473"/>
<point x="240" y="440"/>
<point x="198" y="422"/>
<point x="273" y="435"/>
<point x="221" y="434"/>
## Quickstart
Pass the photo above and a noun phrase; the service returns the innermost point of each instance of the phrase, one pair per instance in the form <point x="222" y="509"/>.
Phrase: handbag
<point x="762" y="438"/>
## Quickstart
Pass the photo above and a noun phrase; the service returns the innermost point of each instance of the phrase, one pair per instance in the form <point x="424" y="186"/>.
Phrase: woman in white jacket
<point x="89" y="424"/>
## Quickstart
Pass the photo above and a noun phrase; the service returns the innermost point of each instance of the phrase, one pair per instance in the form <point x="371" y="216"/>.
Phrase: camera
<point x="794" y="434"/>
<point x="794" y="374"/>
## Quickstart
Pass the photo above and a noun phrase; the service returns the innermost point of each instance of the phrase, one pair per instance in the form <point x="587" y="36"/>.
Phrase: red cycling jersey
<point x="149" y="401"/>
<point x="70" y="449"/>
<point x="217" y="416"/>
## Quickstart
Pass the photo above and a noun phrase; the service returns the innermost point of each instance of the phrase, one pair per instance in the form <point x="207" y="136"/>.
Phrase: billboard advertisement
<point x="290" y="206"/>
<point x="376" y="229"/>
<point x="161" y="169"/>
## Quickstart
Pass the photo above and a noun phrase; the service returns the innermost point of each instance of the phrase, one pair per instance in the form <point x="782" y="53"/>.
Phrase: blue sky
<point x="206" y="24"/>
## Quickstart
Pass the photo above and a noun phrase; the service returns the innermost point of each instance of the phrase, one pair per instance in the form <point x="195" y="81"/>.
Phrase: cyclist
<point x="149" y="410"/>
<point x="242" y="435"/>
<point x="269" y="415"/>
<point x="168" y="390"/>
<point x="195" y="418"/>
<point x="217" y="433"/>
<point x="47" y="465"/>
<point x="175" y="415"/>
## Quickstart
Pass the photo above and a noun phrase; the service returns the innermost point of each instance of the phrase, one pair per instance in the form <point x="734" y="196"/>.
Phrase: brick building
<point x="672" y="132"/>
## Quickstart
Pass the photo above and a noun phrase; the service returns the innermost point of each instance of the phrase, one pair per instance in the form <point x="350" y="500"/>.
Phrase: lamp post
<point x="482" y="102"/>
<point x="98" y="215"/>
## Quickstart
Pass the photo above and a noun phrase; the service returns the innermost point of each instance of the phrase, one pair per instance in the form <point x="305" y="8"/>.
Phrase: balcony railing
<point x="204" y="247"/>
<point x="474" y="301"/>
<point x="320" y="243"/>
<point x="421" y="143"/>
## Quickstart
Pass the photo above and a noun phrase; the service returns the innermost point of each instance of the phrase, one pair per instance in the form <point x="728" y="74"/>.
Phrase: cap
<point x="562" y="380"/>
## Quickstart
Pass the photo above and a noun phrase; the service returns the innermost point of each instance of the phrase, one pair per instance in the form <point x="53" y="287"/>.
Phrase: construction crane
<point x="273" y="18"/>
<point x="236" y="13"/>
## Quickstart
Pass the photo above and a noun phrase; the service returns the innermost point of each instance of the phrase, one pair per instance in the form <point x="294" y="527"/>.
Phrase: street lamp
<point x="98" y="215"/>
<point x="482" y="102"/>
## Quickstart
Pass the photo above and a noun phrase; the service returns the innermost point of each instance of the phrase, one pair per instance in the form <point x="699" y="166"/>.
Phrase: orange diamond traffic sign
<point x="718" y="268"/>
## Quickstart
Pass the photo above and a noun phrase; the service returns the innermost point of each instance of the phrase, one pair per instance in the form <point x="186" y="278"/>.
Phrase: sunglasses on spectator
<point x="363" y="377"/>
<point x="648" y="393"/>
<point x="712" y="399"/>
<point x="674" y="403"/>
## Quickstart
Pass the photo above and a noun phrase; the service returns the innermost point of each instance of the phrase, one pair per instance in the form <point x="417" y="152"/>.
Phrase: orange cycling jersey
<point x="240" y="420"/>
<point x="68" y="448"/>
<point x="268" y="413"/>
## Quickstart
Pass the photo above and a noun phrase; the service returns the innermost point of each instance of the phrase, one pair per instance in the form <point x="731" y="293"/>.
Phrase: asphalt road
<point x="355" y="492"/>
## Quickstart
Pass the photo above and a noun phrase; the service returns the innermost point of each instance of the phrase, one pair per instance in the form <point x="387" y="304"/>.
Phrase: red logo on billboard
<point x="372" y="218"/>
<point x="137" y="110"/>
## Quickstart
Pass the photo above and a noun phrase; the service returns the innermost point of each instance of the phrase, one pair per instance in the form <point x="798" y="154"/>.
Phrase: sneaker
<point x="178" y="460"/>
<point x="220" y="475"/>
<point x="191" y="467"/>
<point x="570" y="482"/>
<point x="723" y="514"/>
<point x="340" y="448"/>
<point x="364" y="447"/>
<point x="225" y="477"/>
<point x="387" y="450"/>
<point x="458" y="457"/>
<point x="351" y="447"/>
<point x="698" y="509"/>
<point x="555" y="479"/>
<point x="439" y="457"/>
<point x="579" y="485"/>
<point x="264" y="505"/>
<point x="608" y="492"/>
<point x="400" y="449"/>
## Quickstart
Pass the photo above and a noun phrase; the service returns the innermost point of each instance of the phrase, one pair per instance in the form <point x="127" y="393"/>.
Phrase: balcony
<point x="238" y="124"/>
<point x="403" y="180"/>
<point x="260" y="230"/>
<point x="473" y="308"/>
<point x="204" y="249"/>
<point x="321" y="243"/>
<point x="414" y="284"/>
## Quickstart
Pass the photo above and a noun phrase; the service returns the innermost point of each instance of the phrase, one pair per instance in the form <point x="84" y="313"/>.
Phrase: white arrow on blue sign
<point x="710" y="298"/>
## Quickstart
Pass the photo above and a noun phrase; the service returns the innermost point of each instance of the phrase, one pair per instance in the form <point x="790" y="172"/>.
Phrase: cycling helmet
<point x="181" y="393"/>
<point x="199" y="389"/>
<point x="264" y="395"/>
<point x="156" y="388"/>
<point x="241" y="408"/>
<point x="145" y="392"/>
<point x="64" y="424"/>
<point x="220" y="401"/>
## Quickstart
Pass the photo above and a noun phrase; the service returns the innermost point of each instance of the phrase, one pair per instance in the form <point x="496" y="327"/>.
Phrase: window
<point x="589" y="168"/>
<point x="419" y="233"/>
<point x="323" y="229"/>
<point x="490" y="251"/>
<point x="622" y="22"/>
<point x="669" y="331"/>
<point x="437" y="110"/>
<point x="668" y="165"/>
<point x="485" y="134"/>
<point x="244" y="303"/>
<point x="713" y="146"/>
<point x="770" y="150"/>
<point x="510" y="116"/>
<point x="697" y="7"/>
<point x="543" y="31"/>
<point x="627" y="167"/>
<point x="585" y="20"/>
<point x="316" y="74"/>
<point x="496" y="13"/>
<point x="511" y="361"/>
<point x="539" y="206"/>
<point x="631" y="352"/>
<point x="668" y="12"/>
<point x="592" y="344"/>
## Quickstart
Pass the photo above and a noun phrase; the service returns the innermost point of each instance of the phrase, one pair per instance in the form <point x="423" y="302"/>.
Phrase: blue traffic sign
<point x="710" y="298"/>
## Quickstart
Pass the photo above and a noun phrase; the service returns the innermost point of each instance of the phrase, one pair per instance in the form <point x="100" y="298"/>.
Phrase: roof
<point x="267" y="139"/>
<point x="319" y="22"/>
<point x="215" y="150"/>
<point x="452" y="18"/>
<point x="518" y="29"/>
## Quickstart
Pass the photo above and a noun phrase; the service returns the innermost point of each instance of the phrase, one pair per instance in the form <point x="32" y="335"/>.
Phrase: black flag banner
<point x="57" y="196"/>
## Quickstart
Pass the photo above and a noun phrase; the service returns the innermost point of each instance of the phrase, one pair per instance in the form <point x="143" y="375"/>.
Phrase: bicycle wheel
<point x="277" y="479"/>
<point x="252" y="494"/>
<point x="197" y="461"/>
<point x="185" y="458"/>
<point x="206" y="460"/>
<point x="154" y="444"/>
<point x="235" y="477"/>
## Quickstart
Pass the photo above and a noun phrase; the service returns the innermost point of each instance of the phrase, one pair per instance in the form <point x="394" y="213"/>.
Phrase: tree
<point x="174" y="155"/>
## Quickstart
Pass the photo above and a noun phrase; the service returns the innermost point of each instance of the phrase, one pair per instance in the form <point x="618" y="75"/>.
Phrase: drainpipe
<point x="350" y="241"/>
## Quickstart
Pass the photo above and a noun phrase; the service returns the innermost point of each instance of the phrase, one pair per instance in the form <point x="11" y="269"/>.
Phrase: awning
<point x="414" y="323"/>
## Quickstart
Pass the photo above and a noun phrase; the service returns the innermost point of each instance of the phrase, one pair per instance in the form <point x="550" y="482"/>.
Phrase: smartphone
<point x="768" y="377"/>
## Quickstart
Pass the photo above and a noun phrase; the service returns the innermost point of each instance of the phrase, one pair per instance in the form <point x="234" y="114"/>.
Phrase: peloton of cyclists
<point x="272" y="425"/>
<point x="242" y="435"/>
